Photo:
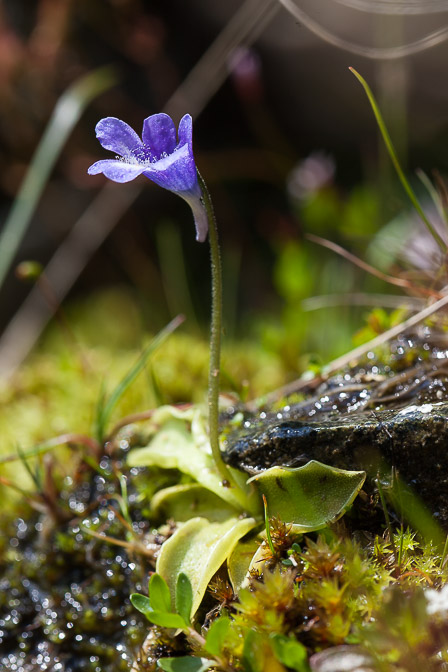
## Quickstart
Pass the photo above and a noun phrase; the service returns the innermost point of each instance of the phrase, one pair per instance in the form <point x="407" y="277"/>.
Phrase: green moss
<point x="64" y="592"/>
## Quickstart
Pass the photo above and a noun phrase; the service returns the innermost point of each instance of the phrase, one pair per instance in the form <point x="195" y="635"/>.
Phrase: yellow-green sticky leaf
<point x="198" y="549"/>
<point x="176" y="445"/>
<point x="257" y="562"/>
<point x="309" y="497"/>
<point x="182" y="502"/>
<point x="240" y="560"/>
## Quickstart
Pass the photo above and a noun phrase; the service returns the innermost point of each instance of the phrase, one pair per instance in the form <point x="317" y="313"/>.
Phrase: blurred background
<point x="283" y="135"/>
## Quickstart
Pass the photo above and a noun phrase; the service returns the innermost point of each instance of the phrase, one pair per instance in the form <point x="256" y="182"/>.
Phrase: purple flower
<point x="169" y="164"/>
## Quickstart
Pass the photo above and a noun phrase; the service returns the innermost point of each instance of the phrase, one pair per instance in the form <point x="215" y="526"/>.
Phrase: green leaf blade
<point x="184" y="596"/>
<point x="290" y="652"/>
<point x="394" y="158"/>
<point x="190" y="500"/>
<point x="216" y="635"/>
<point x="167" y="620"/>
<point x="162" y="618"/>
<point x="159" y="594"/>
<point x="141" y="603"/>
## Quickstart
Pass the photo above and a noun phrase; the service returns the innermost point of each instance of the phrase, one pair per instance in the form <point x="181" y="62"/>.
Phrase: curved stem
<point x="215" y="338"/>
<point x="394" y="158"/>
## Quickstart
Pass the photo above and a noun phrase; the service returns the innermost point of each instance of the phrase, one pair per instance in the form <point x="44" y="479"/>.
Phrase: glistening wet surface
<point x="64" y="593"/>
<point x="382" y="413"/>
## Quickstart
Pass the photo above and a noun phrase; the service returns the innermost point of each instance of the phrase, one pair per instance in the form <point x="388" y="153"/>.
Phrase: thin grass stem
<point x="444" y="553"/>
<point x="267" y="527"/>
<point x="394" y="158"/>
<point x="387" y="517"/>
<point x="45" y="447"/>
<point x="107" y="405"/>
<point x="434" y="194"/>
<point x="66" y="114"/>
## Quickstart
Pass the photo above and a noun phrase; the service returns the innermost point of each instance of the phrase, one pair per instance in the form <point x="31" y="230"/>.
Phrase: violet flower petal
<point x="117" y="136"/>
<point x="117" y="171"/>
<point x="176" y="172"/>
<point x="159" y="134"/>
<point x="158" y="157"/>
<point x="186" y="132"/>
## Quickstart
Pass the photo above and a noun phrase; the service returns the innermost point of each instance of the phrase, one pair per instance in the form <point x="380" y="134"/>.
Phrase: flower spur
<point x="158" y="155"/>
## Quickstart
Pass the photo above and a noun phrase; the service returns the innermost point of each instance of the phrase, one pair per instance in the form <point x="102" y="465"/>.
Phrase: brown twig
<point x="354" y="354"/>
<point x="392" y="280"/>
<point x="133" y="546"/>
<point x="60" y="440"/>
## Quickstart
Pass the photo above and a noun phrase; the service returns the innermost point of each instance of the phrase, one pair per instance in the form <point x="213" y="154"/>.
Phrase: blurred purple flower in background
<point x="310" y="175"/>
<point x="158" y="156"/>
<point x="245" y="68"/>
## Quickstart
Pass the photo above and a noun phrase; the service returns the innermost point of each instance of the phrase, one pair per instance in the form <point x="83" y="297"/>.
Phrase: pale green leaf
<point x="178" y="446"/>
<point x="182" y="502"/>
<point x="185" y="664"/>
<point x="253" y="652"/>
<point x="258" y="655"/>
<point x="258" y="560"/>
<point x="198" y="549"/>
<point x="239" y="562"/>
<point x="168" y="449"/>
<point x="309" y="497"/>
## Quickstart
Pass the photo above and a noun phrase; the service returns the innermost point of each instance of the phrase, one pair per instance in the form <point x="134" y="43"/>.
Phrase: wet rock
<point x="375" y="416"/>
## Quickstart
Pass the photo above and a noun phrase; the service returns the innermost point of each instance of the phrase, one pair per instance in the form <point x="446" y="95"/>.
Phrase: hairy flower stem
<point x="215" y="338"/>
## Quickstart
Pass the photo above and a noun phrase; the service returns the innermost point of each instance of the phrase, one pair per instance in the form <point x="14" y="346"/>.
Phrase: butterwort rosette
<point x="160" y="155"/>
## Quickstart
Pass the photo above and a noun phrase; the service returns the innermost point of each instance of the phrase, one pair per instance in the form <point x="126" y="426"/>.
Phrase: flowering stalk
<point x="215" y="337"/>
<point x="166" y="158"/>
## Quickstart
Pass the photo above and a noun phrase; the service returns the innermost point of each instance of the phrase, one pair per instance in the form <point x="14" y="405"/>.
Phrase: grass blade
<point x="106" y="408"/>
<point x="267" y="527"/>
<point x="434" y="194"/>
<point x="51" y="444"/>
<point x="66" y="114"/>
<point x="394" y="158"/>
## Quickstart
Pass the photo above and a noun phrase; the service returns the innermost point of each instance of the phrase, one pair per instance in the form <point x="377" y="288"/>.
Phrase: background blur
<point x="284" y="137"/>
